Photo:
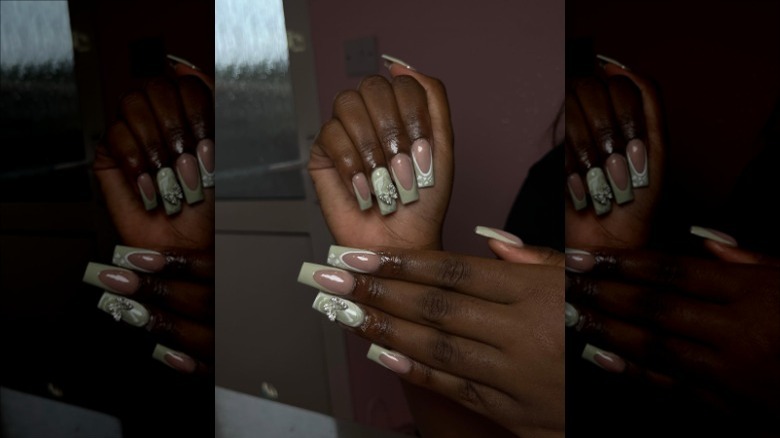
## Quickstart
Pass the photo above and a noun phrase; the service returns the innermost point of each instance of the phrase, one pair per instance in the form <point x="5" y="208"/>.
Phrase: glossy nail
<point x="336" y="281"/>
<point x="604" y="359"/>
<point x="500" y="235"/>
<point x="124" y="309"/>
<point x="148" y="194"/>
<point x="393" y="60"/>
<point x="572" y="315"/>
<point x="579" y="261"/>
<point x="392" y="360"/>
<point x="362" y="191"/>
<point x="714" y="235"/>
<point x="637" y="163"/>
<point x="111" y="278"/>
<point x="606" y="60"/>
<point x="403" y="175"/>
<point x="422" y="157"/>
<point x="189" y="176"/>
<point x="617" y="172"/>
<point x="599" y="191"/>
<point x="138" y="259"/>
<point x="338" y="309"/>
<point x="354" y="259"/>
<point x="577" y="191"/>
<point x="205" y="152"/>
<point x="174" y="359"/>
<point x="178" y="60"/>
<point x="170" y="191"/>
<point x="384" y="190"/>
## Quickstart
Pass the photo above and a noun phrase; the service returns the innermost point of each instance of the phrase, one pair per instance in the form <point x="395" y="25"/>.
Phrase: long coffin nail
<point x="174" y="359"/>
<point x="138" y="259"/>
<point x="714" y="235"/>
<point x="599" y="189"/>
<point x="393" y="60"/>
<point x="148" y="194"/>
<point x="170" y="191"/>
<point x="607" y="60"/>
<point x="362" y="191"/>
<point x="124" y="309"/>
<point x="637" y="163"/>
<point x="392" y="360"/>
<point x="178" y="60"/>
<point x="384" y="190"/>
<point x="579" y="261"/>
<point x="338" y="309"/>
<point x="205" y="152"/>
<point x="577" y="191"/>
<point x="354" y="259"/>
<point x="604" y="359"/>
<point x="335" y="281"/>
<point x="500" y="235"/>
<point x="617" y="172"/>
<point x="403" y="175"/>
<point x="572" y="315"/>
<point x="189" y="176"/>
<point x="422" y="157"/>
<point x="111" y="278"/>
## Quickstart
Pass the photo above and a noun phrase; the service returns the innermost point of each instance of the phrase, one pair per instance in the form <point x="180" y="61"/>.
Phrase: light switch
<point x="360" y="56"/>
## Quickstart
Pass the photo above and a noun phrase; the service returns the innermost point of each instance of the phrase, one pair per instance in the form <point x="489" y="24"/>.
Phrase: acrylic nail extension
<point x="714" y="235"/>
<point x="579" y="261"/>
<point x="353" y="259"/>
<point x="111" y="278"/>
<point x="500" y="235"/>
<point x="148" y="194"/>
<point x="384" y="190"/>
<point x="606" y="60"/>
<point x="637" y="163"/>
<point x="138" y="259"/>
<point x="178" y="60"/>
<point x="362" y="191"/>
<point x="336" y="281"/>
<point x="338" y="309"/>
<point x="174" y="359"/>
<point x="392" y="360"/>
<point x="123" y="309"/>
<point x="422" y="157"/>
<point x="405" y="181"/>
<point x="205" y="152"/>
<point x="189" y="176"/>
<point x="392" y="60"/>
<point x="170" y="191"/>
<point x="599" y="189"/>
<point x="604" y="359"/>
<point x="617" y="172"/>
<point x="577" y="191"/>
<point x="572" y="315"/>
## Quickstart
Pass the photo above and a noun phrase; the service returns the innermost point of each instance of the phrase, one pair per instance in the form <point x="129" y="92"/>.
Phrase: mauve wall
<point x="503" y="64"/>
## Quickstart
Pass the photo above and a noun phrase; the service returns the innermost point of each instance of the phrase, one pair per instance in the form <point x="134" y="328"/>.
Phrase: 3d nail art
<point x="174" y="359"/>
<point x="124" y="309"/>
<point x="637" y="163"/>
<point x="170" y="191"/>
<point x="336" y="281"/>
<point x="148" y="194"/>
<point x="392" y="360"/>
<point x="604" y="359"/>
<point x="617" y="172"/>
<point x="338" y="309"/>
<point x="189" y="176"/>
<point x="577" y="191"/>
<point x="138" y="259"/>
<point x="422" y="157"/>
<point x="405" y="181"/>
<point x="384" y="190"/>
<point x="500" y="235"/>
<point x="353" y="259"/>
<point x="205" y="152"/>
<point x="362" y="191"/>
<point x="599" y="189"/>
<point x="111" y="278"/>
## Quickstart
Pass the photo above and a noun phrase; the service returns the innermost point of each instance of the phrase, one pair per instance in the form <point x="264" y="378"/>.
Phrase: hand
<point x="614" y="125"/>
<point x="375" y="129"/>
<point x="704" y="325"/>
<point x="167" y="125"/>
<point x="485" y="333"/>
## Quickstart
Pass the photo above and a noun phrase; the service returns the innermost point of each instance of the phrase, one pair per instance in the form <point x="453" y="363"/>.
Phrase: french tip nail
<point x="500" y="235"/>
<point x="714" y="235"/>
<point x="612" y="61"/>
<point x="604" y="359"/>
<point x="389" y="359"/>
<point x="393" y="60"/>
<point x="180" y="60"/>
<point x="572" y="315"/>
<point x="174" y="359"/>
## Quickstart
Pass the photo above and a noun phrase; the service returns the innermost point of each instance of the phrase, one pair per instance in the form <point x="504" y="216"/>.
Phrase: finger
<point x="735" y="254"/>
<point x="168" y="262"/>
<point x="198" y="103"/>
<point x="627" y="104"/>
<point x="123" y="150"/>
<point x="182" y="67"/>
<point x="182" y="362"/>
<point x="413" y="107"/>
<point x="181" y="333"/>
<point x="574" y="185"/>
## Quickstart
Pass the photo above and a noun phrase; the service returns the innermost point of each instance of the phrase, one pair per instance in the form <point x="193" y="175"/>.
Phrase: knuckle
<point x="131" y="100"/>
<point x="154" y="287"/>
<point x="379" y="328"/>
<point x="161" y="324"/>
<point x="435" y="305"/>
<point x="453" y="272"/>
<point x="373" y="290"/>
<point x="346" y="100"/>
<point x="443" y="350"/>
<point x="372" y="83"/>
<point x="390" y="135"/>
<point x="468" y="393"/>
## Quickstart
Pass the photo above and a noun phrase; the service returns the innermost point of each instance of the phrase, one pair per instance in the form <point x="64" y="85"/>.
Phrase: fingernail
<point x="187" y="170"/>
<point x="170" y="191"/>
<point x="392" y="360"/>
<point x="500" y="235"/>
<point x="338" y="309"/>
<point x="392" y="60"/>
<point x="617" y="172"/>
<point x="138" y="259"/>
<point x="422" y="157"/>
<point x="599" y="190"/>
<point x="178" y="60"/>
<point x="336" y="281"/>
<point x="714" y="235"/>
<point x="579" y="261"/>
<point x="384" y="190"/>
<point x="205" y="152"/>
<point x="148" y="195"/>
<point x="572" y="315"/>
<point x="353" y="259"/>
<point x="121" y="308"/>
<point x="637" y="163"/>
<point x="362" y="191"/>
<point x="604" y="359"/>
<point x="174" y="359"/>
<point x="111" y="278"/>
<point x="403" y="175"/>
<point x="577" y="191"/>
<point x="607" y="60"/>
